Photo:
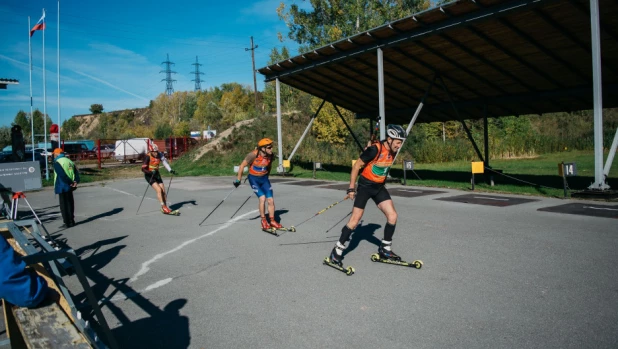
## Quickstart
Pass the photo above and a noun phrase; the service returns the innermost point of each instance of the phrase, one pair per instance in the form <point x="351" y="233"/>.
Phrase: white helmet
<point x="395" y="132"/>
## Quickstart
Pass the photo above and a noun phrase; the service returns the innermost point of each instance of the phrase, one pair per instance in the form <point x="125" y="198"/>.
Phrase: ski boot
<point x="275" y="225"/>
<point x="266" y="227"/>
<point x="169" y="211"/>
<point x="278" y="226"/>
<point x="336" y="261"/>
<point x="387" y="254"/>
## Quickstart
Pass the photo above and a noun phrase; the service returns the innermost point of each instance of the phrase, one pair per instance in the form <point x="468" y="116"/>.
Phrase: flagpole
<point x="30" y="71"/>
<point x="58" y="69"/>
<point x="44" y="103"/>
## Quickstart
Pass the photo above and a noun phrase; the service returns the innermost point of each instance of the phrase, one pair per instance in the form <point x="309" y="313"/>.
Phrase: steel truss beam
<point x="306" y="130"/>
<point x="448" y="93"/>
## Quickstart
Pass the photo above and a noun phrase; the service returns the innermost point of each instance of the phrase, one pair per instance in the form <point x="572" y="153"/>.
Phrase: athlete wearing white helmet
<point x="377" y="160"/>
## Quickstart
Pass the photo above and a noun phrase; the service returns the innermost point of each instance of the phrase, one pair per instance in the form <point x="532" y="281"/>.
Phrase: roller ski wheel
<point x="271" y="231"/>
<point x="291" y="228"/>
<point x="348" y="270"/>
<point x="417" y="264"/>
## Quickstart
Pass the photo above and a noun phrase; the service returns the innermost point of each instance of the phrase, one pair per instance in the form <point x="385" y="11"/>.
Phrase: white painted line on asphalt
<point x="485" y="197"/>
<point x="601" y="208"/>
<point x="123" y="297"/>
<point x="144" y="269"/>
<point x="135" y="196"/>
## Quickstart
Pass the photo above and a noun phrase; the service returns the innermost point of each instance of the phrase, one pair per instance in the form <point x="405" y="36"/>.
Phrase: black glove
<point x="236" y="183"/>
<point x="173" y="172"/>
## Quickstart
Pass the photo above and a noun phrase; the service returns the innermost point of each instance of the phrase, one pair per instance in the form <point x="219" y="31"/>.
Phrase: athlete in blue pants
<point x="259" y="162"/>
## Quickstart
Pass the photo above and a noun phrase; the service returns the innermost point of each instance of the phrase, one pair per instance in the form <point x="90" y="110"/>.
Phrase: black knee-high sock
<point x="345" y="234"/>
<point x="389" y="231"/>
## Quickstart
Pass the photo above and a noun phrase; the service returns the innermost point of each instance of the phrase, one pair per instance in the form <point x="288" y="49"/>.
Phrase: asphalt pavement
<point x="506" y="276"/>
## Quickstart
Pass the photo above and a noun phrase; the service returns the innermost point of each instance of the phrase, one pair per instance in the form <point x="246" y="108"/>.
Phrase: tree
<point x="69" y="128"/>
<point x="332" y="20"/>
<point x="208" y="112"/>
<point x="23" y="121"/>
<point x="235" y="104"/>
<point x="182" y="129"/>
<point x="163" y="130"/>
<point x="39" y="125"/>
<point x="96" y="108"/>
<point x="5" y="136"/>
<point x="328" y="126"/>
<point x="291" y="98"/>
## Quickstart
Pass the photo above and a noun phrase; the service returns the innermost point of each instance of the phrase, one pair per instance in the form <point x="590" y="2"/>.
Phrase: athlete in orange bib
<point x="150" y="167"/>
<point x="377" y="159"/>
<point x="259" y="162"/>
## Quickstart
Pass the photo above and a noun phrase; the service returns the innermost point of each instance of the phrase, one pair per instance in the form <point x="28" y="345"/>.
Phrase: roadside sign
<point x="21" y="176"/>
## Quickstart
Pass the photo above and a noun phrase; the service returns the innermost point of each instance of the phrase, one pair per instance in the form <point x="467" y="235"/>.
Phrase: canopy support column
<point x="382" y="109"/>
<point x="597" y="88"/>
<point x="279" y="136"/>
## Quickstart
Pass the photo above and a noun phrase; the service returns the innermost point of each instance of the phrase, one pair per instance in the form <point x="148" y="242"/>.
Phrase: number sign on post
<point x="566" y="170"/>
<point x="408" y="165"/>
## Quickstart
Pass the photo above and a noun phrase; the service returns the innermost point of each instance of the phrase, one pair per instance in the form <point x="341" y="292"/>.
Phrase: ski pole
<point x="346" y="216"/>
<point x="322" y="211"/>
<point x="168" y="186"/>
<point x="211" y="212"/>
<point x="243" y="204"/>
<point x="143" y="196"/>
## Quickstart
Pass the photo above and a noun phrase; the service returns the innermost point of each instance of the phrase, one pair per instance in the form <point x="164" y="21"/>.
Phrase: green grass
<point x="540" y="172"/>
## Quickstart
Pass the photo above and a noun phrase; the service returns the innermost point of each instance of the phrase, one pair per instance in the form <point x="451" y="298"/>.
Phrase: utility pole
<point x="252" y="49"/>
<point x="169" y="87"/>
<point x="198" y="81"/>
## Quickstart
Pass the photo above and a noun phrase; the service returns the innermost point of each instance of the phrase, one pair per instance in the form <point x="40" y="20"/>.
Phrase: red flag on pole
<point x="40" y="25"/>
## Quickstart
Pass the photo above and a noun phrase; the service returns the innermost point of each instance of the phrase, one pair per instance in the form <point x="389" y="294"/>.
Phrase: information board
<point x="21" y="176"/>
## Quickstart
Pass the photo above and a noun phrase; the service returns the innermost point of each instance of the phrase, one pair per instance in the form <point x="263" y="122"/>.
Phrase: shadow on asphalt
<point x="160" y="328"/>
<point x="363" y="232"/>
<point x="179" y="205"/>
<point x="101" y="215"/>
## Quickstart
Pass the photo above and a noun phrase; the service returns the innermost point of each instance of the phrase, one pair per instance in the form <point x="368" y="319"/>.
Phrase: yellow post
<point x="477" y="167"/>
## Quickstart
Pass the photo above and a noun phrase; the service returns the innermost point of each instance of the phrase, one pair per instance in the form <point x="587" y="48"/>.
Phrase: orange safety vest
<point x="154" y="163"/>
<point x="259" y="166"/>
<point x="376" y="169"/>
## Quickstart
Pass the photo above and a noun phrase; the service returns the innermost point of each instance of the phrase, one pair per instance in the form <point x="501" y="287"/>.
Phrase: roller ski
<point x="387" y="256"/>
<point x="277" y="226"/>
<point x="166" y="210"/>
<point x="268" y="228"/>
<point x="335" y="261"/>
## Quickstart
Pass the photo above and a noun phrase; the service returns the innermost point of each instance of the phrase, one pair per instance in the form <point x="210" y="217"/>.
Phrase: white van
<point x="131" y="150"/>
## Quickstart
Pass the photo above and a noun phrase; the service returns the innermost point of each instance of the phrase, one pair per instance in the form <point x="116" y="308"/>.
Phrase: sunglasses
<point x="269" y="147"/>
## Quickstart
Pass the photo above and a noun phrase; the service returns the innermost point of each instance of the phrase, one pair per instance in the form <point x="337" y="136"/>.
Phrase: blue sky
<point x="111" y="51"/>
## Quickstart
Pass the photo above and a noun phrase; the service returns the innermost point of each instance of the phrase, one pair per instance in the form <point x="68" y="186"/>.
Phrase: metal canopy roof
<point x="4" y="82"/>
<point x="516" y="57"/>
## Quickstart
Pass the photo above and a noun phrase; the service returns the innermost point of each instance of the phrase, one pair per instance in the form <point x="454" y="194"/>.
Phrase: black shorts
<point x="368" y="190"/>
<point x="153" y="179"/>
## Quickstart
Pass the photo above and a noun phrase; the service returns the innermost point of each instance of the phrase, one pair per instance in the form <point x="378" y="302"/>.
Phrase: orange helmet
<point x="58" y="151"/>
<point x="264" y="142"/>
